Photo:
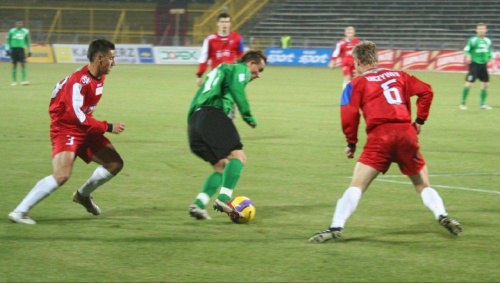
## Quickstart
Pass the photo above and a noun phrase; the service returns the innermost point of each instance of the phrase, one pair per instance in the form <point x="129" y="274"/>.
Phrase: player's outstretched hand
<point x="349" y="152"/>
<point x="251" y="121"/>
<point x="199" y="81"/>
<point x="118" y="128"/>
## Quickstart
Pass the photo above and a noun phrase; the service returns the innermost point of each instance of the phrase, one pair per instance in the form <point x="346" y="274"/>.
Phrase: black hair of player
<point x="99" y="46"/>
<point x="255" y="55"/>
<point x="223" y="15"/>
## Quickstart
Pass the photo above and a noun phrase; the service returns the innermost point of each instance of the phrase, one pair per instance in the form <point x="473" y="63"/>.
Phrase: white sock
<point x="433" y="201"/>
<point x="226" y="191"/>
<point x="41" y="190"/>
<point x="346" y="206"/>
<point x="99" y="177"/>
<point x="204" y="198"/>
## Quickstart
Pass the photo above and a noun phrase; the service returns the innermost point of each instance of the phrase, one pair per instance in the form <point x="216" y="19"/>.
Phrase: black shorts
<point x="212" y="134"/>
<point x="477" y="71"/>
<point x="17" y="55"/>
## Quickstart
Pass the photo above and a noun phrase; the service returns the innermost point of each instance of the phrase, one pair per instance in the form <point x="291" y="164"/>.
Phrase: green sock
<point x="230" y="179"/>
<point x="465" y="92"/>
<point x="212" y="183"/>
<point x="483" y="96"/>
<point x="23" y="74"/>
<point x="14" y="75"/>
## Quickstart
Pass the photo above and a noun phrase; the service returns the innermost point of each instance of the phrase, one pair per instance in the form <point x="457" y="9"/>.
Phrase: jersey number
<point x="71" y="140"/>
<point x="212" y="79"/>
<point x="391" y="94"/>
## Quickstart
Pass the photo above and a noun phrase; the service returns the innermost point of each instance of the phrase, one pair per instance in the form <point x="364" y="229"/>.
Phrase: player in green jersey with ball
<point x="212" y="134"/>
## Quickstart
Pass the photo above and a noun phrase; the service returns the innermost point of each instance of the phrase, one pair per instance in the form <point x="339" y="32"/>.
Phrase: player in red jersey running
<point x="223" y="46"/>
<point x="74" y="132"/>
<point x="383" y="96"/>
<point x="343" y="50"/>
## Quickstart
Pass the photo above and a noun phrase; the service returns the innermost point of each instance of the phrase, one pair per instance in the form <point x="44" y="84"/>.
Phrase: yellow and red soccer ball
<point x="245" y="206"/>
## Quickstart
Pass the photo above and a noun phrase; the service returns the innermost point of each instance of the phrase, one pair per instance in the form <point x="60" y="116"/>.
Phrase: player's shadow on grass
<point x="266" y="138"/>
<point x="406" y="237"/>
<point x="137" y="211"/>
<point x="279" y="211"/>
<point x="63" y="220"/>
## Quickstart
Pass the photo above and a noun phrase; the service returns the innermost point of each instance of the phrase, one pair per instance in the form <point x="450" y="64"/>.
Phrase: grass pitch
<point x="295" y="173"/>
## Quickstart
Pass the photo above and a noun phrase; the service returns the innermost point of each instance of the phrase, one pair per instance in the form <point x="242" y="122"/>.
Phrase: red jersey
<point x="73" y="101"/>
<point x="383" y="96"/>
<point x="344" y="50"/>
<point x="220" y="49"/>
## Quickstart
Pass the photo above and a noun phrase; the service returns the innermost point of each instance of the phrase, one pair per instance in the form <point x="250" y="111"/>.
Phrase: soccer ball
<point x="244" y="205"/>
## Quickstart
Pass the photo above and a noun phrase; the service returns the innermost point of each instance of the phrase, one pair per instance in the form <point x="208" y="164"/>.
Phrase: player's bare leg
<point x="110" y="165"/>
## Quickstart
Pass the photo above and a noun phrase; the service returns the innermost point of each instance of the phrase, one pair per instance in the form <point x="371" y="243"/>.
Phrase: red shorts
<point x="348" y="70"/>
<point x="84" y="145"/>
<point x="395" y="142"/>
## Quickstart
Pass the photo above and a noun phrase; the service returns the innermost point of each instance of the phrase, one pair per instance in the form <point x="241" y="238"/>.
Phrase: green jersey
<point x="479" y="49"/>
<point x="223" y="87"/>
<point x="18" y="38"/>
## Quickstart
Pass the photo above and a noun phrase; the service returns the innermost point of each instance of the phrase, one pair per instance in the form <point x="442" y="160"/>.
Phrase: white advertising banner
<point x="124" y="53"/>
<point x="176" y="55"/>
<point x="70" y="53"/>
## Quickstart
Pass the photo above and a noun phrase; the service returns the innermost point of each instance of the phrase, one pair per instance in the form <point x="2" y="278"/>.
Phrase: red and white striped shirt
<point x="220" y="49"/>
<point x="73" y="101"/>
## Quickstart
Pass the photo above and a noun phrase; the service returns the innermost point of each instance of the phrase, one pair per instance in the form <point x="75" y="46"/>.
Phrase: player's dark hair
<point x="223" y="15"/>
<point x="99" y="46"/>
<point x="366" y="52"/>
<point x="255" y="55"/>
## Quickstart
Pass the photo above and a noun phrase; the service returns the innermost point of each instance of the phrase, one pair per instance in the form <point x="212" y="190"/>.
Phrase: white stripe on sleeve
<point x="204" y="52"/>
<point x="78" y="102"/>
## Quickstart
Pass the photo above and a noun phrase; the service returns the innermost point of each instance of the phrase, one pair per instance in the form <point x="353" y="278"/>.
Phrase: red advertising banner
<point x="428" y="60"/>
<point x="388" y="58"/>
<point x="448" y="61"/>
<point x="414" y="60"/>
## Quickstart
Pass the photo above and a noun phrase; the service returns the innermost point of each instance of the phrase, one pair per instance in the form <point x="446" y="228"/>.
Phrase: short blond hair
<point x="366" y="53"/>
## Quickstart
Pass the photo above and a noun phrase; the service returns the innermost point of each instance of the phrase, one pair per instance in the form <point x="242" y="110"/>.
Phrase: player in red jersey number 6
<point x="383" y="96"/>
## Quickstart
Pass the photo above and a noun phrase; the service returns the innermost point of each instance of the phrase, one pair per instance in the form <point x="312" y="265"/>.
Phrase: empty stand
<point x="403" y="24"/>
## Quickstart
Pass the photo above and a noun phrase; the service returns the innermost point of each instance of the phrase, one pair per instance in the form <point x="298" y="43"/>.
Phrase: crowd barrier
<point x="312" y="57"/>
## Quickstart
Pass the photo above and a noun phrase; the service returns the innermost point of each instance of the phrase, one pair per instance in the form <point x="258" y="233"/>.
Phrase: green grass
<point x="295" y="173"/>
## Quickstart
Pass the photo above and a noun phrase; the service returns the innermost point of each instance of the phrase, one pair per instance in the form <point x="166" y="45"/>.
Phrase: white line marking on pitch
<point x="441" y="186"/>
<point x="447" y="175"/>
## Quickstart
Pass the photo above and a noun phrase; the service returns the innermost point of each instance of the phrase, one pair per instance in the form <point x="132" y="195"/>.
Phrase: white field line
<point x="445" y="175"/>
<point x="441" y="186"/>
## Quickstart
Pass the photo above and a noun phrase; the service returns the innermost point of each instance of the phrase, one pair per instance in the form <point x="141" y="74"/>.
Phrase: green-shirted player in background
<point x="212" y="134"/>
<point x="477" y="54"/>
<point x="14" y="46"/>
